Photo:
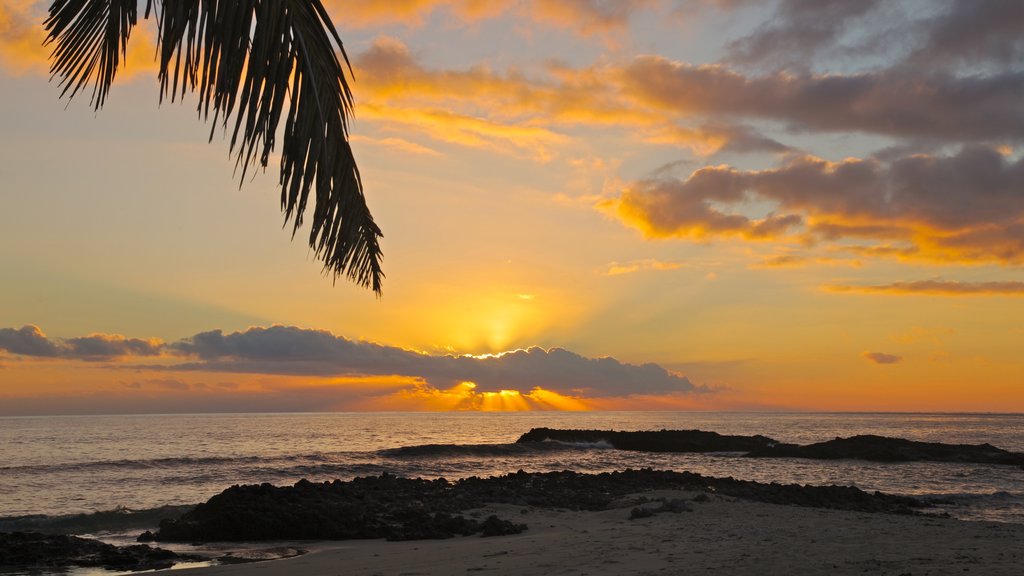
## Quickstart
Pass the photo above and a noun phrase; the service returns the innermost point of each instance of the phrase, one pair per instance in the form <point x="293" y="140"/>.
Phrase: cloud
<point x="102" y="346"/>
<point x="938" y="288"/>
<point x="27" y="341"/>
<point x="965" y="207"/>
<point x="583" y="17"/>
<point x="362" y="375"/>
<point x="893" y="102"/>
<point x="22" y="35"/>
<point x="168" y="384"/>
<point x="882" y="358"/>
<point x="31" y="341"/>
<point x="618" y="269"/>
<point x="972" y="31"/>
<point x="511" y="113"/>
<point x="938" y="35"/>
<point x="296" y="351"/>
<point x="399" y="145"/>
<point x="656" y="100"/>
<point x="712" y="138"/>
<point x="799" y="29"/>
<point x="794" y="260"/>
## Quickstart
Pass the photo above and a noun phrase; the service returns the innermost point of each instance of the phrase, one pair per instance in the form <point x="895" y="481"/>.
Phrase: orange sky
<point x="628" y="205"/>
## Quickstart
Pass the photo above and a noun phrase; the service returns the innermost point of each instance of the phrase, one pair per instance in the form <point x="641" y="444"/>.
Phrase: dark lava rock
<point x="34" y="551"/>
<point x="402" y="508"/>
<point x="864" y="447"/>
<point x="653" y="441"/>
<point x="494" y="526"/>
<point x="675" y="506"/>
<point x="883" y="449"/>
<point x="640" y="512"/>
<point x="421" y="525"/>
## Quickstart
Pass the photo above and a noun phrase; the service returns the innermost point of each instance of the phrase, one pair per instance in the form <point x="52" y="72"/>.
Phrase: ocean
<point x="116" y="475"/>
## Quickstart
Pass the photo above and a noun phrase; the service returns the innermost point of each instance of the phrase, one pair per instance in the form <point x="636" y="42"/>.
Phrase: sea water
<point x="104" y="474"/>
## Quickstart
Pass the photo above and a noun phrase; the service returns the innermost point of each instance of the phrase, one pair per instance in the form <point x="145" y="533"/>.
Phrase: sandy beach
<point x="721" y="536"/>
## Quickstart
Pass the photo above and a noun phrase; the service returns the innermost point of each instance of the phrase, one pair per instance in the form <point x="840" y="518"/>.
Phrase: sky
<point x="585" y="205"/>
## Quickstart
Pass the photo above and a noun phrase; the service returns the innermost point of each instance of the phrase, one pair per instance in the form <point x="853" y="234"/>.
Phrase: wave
<point x="464" y="450"/>
<point x="973" y="497"/>
<point x="169" y="463"/>
<point x="119" y="519"/>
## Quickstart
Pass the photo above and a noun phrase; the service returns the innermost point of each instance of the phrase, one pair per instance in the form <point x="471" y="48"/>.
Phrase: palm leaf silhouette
<point x="252" y="63"/>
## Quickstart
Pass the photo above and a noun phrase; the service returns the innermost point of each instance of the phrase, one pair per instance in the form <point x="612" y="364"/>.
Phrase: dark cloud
<point x="169" y="384"/>
<point x="31" y="341"/>
<point x="972" y="32"/>
<point x="938" y="35"/>
<point x="110" y="346"/>
<point x="882" y="358"/>
<point x="799" y="29"/>
<point x="27" y="341"/>
<point x="739" y="138"/>
<point x="965" y="207"/>
<point x="288" y="350"/>
<point x="938" y="288"/>
<point x="298" y="351"/>
<point x="892" y="102"/>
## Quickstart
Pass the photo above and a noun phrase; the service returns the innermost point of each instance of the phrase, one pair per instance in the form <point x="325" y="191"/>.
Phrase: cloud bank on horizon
<point x="293" y="351"/>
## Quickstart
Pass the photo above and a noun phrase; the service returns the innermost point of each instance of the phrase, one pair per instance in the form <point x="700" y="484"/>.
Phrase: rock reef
<point x="884" y="449"/>
<point x="863" y="447"/>
<point x="652" y="441"/>
<point x="400" y="508"/>
<point x="34" y="551"/>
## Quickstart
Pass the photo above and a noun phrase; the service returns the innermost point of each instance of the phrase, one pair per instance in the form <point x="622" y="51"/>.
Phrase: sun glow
<point x="464" y="396"/>
<point x="482" y="320"/>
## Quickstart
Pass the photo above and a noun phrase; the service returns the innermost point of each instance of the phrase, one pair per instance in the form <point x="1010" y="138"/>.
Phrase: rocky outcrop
<point x="652" y="441"/>
<point x="402" y="509"/>
<point x="375" y="507"/>
<point x="884" y="449"/>
<point x="33" y="552"/>
<point x="864" y="447"/>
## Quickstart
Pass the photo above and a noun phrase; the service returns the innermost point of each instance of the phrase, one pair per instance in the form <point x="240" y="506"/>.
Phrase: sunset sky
<point x="586" y="204"/>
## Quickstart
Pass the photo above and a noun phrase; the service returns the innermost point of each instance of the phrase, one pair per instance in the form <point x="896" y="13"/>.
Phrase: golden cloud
<point x="618" y="269"/>
<point x="584" y="17"/>
<point x="937" y="288"/>
<point x="964" y="207"/>
<point x="22" y="36"/>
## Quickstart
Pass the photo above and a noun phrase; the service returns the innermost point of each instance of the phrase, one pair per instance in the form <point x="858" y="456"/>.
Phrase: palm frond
<point x="252" y="63"/>
<point x="91" y="37"/>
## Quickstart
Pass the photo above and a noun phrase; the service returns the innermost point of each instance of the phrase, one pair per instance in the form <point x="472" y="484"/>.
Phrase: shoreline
<point x="654" y="519"/>
<point x="720" y="534"/>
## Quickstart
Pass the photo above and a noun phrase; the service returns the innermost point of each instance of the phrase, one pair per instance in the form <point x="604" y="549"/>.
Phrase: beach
<point x="721" y="535"/>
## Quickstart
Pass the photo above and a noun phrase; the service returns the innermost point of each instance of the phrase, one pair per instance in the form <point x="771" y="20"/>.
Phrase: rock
<point x="652" y="441"/>
<point x="884" y="449"/>
<point x="494" y="526"/>
<point x="32" y="551"/>
<point x="637" y="513"/>
<point x="864" y="447"/>
<point x="675" y="506"/>
<point x="423" y="526"/>
<point x="403" y="509"/>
